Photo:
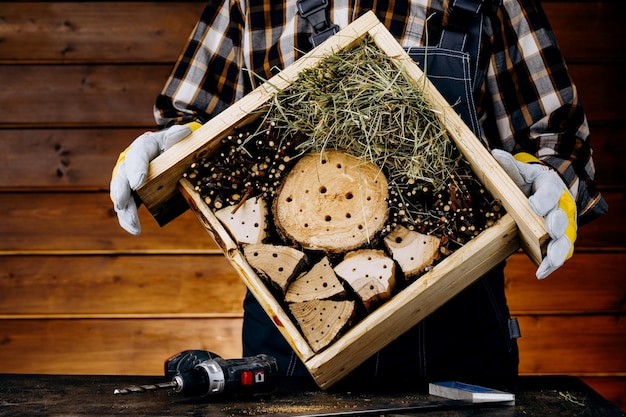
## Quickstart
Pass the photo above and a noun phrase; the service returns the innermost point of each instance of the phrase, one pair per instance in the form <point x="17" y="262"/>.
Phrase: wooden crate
<point x="519" y="227"/>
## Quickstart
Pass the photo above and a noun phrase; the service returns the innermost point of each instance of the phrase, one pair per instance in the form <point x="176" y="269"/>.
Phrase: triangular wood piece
<point x="322" y="320"/>
<point x="246" y="223"/>
<point x="318" y="283"/>
<point x="278" y="264"/>
<point x="412" y="251"/>
<point x="370" y="273"/>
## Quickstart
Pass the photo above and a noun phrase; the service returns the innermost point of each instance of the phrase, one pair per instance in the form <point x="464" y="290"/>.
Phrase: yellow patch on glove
<point x="566" y="203"/>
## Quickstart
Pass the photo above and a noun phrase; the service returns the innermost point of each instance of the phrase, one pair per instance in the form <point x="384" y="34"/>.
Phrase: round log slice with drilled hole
<point x="332" y="202"/>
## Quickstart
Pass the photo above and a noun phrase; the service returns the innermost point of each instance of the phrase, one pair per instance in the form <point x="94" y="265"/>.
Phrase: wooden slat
<point x="81" y="31"/>
<point x="79" y="159"/>
<point x="83" y="222"/>
<point x="61" y="159"/>
<point x="80" y="95"/>
<point x="86" y="222"/>
<point x="588" y="345"/>
<point x="110" y="285"/>
<point x="573" y="344"/>
<point x="207" y="284"/>
<point x="95" y="31"/>
<point x="109" y="95"/>
<point x="587" y="283"/>
<point x="588" y="30"/>
<point x="110" y="346"/>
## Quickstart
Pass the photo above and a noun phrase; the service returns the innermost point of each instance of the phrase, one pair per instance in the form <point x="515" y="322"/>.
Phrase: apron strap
<point x="463" y="30"/>
<point x="462" y="15"/>
<point x="317" y="14"/>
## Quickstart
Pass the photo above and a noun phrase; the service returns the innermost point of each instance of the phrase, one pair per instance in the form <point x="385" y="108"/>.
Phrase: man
<point x="522" y="102"/>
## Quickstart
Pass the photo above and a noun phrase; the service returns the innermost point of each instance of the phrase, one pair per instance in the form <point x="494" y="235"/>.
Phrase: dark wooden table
<point x="57" y="395"/>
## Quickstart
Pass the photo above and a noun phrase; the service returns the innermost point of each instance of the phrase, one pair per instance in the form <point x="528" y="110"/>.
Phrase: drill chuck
<point x="206" y="378"/>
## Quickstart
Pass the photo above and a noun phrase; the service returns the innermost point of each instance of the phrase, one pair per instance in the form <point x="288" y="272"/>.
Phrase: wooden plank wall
<point x="79" y="295"/>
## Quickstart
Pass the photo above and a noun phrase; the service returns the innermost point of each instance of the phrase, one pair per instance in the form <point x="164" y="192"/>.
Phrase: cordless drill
<point x="199" y="373"/>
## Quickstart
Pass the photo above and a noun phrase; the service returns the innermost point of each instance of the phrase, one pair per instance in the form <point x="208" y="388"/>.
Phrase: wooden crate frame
<point x="519" y="227"/>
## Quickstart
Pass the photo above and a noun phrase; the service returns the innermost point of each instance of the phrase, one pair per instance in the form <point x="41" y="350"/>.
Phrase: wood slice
<point x="370" y="273"/>
<point x="318" y="283"/>
<point x="277" y="264"/>
<point x="322" y="320"/>
<point x="412" y="251"/>
<point x="246" y="223"/>
<point x="332" y="202"/>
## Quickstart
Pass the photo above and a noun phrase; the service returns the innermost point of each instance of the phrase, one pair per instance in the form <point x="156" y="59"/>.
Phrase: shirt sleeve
<point x="209" y="74"/>
<point x="536" y="107"/>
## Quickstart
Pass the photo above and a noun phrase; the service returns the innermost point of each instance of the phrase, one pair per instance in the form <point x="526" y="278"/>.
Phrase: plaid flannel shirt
<point x="526" y="100"/>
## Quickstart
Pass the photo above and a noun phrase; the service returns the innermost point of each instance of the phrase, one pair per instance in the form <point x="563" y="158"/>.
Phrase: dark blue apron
<point x="469" y="338"/>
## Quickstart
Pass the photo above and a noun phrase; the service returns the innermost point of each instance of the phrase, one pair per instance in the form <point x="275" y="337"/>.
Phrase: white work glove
<point x="131" y="170"/>
<point x="548" y="197"/>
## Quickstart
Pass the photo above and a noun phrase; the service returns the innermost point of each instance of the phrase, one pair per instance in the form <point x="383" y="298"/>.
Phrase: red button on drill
<point x="246" y="378"/>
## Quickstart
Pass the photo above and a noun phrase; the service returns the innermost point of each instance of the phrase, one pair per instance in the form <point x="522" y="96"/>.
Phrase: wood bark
<point x="413" y="251"/>
<point x="277" y="264"/>
<point x="320" y="282"/>
<point x="370" y="273"/>
<point x="322" y="320"/>
<point x="246" y="223"/>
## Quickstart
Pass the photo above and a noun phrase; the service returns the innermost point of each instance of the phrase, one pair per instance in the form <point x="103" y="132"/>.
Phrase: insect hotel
<point x="349" y="196"/>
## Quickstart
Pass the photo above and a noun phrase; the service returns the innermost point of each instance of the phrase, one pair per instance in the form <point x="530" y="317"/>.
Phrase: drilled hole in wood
<point x="328" y="218"/>
<point x="349" y="196"/>
<point x="323" y="190"/>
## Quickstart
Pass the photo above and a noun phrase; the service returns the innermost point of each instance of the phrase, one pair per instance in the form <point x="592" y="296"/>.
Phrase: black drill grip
<point x="186" y="360"/>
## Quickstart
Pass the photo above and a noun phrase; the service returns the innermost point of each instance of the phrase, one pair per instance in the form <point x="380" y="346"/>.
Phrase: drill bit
<point x="150" y="387"/>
